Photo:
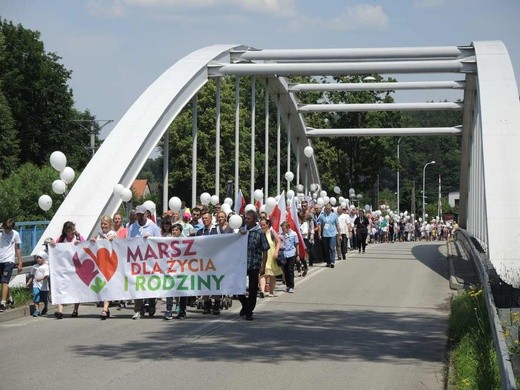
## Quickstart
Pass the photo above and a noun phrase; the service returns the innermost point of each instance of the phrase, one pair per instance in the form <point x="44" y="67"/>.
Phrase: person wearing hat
<point x="39" y="277"/>
<point x="143" y="227"/>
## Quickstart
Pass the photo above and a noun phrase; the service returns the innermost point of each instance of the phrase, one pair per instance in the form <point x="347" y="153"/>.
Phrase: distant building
<point x="453" y="199"/>
<point x="141" y="188"/>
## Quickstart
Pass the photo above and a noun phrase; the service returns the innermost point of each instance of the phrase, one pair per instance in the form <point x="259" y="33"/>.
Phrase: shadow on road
<point x="293" y="336"/>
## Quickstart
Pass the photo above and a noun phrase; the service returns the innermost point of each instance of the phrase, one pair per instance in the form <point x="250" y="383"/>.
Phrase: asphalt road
<point x="375" y="321"/>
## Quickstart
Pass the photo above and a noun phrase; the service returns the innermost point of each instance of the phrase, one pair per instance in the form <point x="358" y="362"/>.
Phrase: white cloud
<point x="353" y="18"/>
<point x="117" y="8"/>
<point x="112" y="9"/>
<point x="428" y="3"/>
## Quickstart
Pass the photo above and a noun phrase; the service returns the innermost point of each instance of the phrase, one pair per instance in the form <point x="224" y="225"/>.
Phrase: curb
<point x="20" y="312"/>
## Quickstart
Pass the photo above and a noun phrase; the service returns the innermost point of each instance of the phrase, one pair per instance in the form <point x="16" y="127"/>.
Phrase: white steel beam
<point x="380" y="107"/>
<point x="377" y="86"/>
<point x="365" y="53"/>
<point x="335" y="68"/>
<point x="379" y="132"/>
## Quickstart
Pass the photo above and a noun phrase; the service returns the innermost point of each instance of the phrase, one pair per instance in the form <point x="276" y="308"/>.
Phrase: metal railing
<point x="30" y="233"/>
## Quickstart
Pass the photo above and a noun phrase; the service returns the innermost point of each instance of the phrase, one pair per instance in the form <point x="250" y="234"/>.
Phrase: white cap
<point x="44" y="255"/>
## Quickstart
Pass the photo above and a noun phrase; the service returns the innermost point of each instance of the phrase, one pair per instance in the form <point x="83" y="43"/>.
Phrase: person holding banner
<point x="257" y="247"/>
<point x="207" y="229"/>
<point x="68" y="234"/>
<point x="143" y="227"/>
<point x="106" y="233"/>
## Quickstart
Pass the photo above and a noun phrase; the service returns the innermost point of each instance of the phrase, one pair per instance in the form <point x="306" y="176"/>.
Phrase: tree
<point x="10" y="145"/>
<point x="34" y="84"/>
<point x="19" y="193"/>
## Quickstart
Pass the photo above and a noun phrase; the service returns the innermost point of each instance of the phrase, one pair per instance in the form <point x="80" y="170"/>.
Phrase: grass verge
<point x="472" y="351"/>
<point x="21" y="296"/>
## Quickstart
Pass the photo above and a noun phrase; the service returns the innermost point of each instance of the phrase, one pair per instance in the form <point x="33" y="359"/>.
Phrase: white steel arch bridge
<point x="490" y="131"/>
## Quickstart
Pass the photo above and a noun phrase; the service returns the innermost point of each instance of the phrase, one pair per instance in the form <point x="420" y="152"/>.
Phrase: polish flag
<point x="279" y="213"/>
<point x="259" y="203"/>
<point x="240" y="203"/>
<point x="294" y="222"/>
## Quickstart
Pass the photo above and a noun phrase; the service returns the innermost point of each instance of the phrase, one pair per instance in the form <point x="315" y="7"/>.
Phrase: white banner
<point x="148" y="268"/>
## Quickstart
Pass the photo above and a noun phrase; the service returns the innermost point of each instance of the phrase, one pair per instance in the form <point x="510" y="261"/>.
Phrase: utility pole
<point x="88" y="124"/>
<point x="413" y="199"/>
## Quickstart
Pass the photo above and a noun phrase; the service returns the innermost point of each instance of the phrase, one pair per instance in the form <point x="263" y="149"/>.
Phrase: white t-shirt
<point x="39" y="271"/>
<point x="8" y="243"/>
<point x="344" y="220"/>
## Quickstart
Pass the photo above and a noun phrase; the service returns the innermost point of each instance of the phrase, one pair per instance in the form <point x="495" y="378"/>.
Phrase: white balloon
<point x="229" y="201"/>
<point x="126" y="194"/>
<point x="300" y="196"/>
<point x="214" y="199"/>
<point x="175" y="204"/>
<point x="320" y="201"/>
<point x="58" y="161"/>
<point x="425" y="215"/>
<point x="341" y="199"/>
<point x="289" y="176"/>
<point x="344" y="205"/>
<point x="313" y="187"/>
<point x="351" y="191"/>
<point x="326" y="199"/>
<point x="150" y="206"/>
<point x="387" y="217"/>
<point x="225" y="207"/>
<point x="205" y="198"/>
<point x="118" y="188"/>
<point x="258" y="194"/>
<point x="289" y="202"/>
<point x="250" y="207"/>
<point x="277" y="198"/>
<point x="332" y="201"/>
<point x="337" y="190"/>
<point x="290" y="194"/>
<point x="299" y="188"/>
<point x="235" y="221"/>
<point x="45" y="202"/>
<point x="58" y="187"/>
<point x="67" y="175"/>
<point x="270" y="204"/>
<point x="308" y="151"/>
<point x="367" y="207"/>
<point x="262" y="208"/>
<point x="352" y="207"/>
<point x="323" y="194"/>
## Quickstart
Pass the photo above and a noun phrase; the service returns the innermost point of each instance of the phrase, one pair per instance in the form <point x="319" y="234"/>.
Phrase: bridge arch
<point x="490" y="188"/>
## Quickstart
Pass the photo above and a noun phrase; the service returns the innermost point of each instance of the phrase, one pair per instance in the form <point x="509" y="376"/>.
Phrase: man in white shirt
<point x="9" y="248"/>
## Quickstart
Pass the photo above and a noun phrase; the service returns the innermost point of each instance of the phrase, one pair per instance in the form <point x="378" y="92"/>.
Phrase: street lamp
<point x="398" y="162"/>
<point x="423" y="187"/>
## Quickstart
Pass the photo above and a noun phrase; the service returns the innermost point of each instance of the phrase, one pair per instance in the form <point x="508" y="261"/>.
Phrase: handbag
<point x="281" y="260"/>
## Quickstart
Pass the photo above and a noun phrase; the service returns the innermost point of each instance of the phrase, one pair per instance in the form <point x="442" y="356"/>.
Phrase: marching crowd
<point x="327" y="233"/>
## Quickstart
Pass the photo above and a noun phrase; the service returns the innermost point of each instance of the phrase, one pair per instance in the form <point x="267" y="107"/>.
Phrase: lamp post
<point x="398" y="162"/>
<point x="423" y="187"/>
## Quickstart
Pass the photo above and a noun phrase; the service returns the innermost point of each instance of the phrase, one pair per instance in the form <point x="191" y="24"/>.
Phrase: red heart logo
<point x="106" y="261"/>
<point x="86" y="270"/>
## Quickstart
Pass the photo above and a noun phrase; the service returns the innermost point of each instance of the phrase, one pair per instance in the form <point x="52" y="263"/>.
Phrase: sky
<point x="117" y="48"/>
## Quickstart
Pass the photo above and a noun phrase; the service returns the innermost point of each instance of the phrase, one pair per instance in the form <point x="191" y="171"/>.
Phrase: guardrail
<point x="30" y="233"/>
<point x="483" y="266"/>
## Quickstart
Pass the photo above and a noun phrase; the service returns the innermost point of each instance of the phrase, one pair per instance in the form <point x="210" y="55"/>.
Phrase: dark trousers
<point x="288" y="271"/>
<point x="249" y="302"/>
<point x="362" y="240"/>
<point x="183" y="302"/>
<point x="139" y="303"/>
<point x="344" y="245"/>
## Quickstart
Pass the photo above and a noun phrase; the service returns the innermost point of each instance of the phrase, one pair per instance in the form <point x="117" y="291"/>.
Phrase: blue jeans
<point x="330" y="247"/>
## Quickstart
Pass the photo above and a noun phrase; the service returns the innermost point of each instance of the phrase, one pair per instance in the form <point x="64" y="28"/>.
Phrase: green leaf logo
<point x="98" y="285"/>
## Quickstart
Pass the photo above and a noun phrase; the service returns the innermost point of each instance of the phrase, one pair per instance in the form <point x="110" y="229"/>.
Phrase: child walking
<point x="40" y="281"/>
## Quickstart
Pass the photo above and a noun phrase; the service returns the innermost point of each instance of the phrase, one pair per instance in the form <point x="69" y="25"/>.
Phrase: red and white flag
<point x="292" y="218"/>
<point x="279" y="213"/>
<point x="240" y="203"/>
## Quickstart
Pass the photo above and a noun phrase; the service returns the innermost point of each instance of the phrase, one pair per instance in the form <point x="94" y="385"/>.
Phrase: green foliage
<point x="19" y="193"/>
<point x="21" y="296"/>
<point x="473" y="355"/>
<point x="38" y="103"/>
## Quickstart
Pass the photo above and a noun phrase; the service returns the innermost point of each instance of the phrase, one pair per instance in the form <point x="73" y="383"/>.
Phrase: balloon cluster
<point x="124" y="193"/>
<point x="59" y="162"/>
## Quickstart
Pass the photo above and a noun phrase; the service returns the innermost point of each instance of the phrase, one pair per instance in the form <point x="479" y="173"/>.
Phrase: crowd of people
<point x="327" y="233"/>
